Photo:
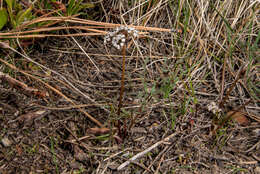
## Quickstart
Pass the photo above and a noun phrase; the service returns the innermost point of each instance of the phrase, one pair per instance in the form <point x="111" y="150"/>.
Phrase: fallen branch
<point x="146" y="151"/>
<point x="22" y="86"/>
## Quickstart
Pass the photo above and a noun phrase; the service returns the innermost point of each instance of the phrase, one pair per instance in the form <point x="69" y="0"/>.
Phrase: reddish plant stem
<point x="122" y="82"/>
<point x="241" y="73"/>
<point x="222" y="83"/>
<point x="121" y="91"/>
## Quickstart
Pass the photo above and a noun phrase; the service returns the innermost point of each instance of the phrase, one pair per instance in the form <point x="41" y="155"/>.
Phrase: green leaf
<point x="22" y="15"/>
<point x="78" y="8"/>
<point x="88" y="5"/>
<point x="75" y="7"/>
<point x="225" y="21"/>
<point x="3" y="17"/>
<point x="70" y="5"/>
<point x="9" y="4"/>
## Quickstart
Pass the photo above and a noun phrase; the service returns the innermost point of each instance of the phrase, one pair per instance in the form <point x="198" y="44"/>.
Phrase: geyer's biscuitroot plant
<point x="119" y="38"/>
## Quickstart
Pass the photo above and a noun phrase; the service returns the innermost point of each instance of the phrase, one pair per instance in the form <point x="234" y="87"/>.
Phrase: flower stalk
<point x="119" y="38"/>
<point x="122" y="81"/>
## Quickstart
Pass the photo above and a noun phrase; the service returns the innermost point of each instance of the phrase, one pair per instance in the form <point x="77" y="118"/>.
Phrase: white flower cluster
<point x="173" y="30"/>
<point x="212" y="107"/>
<point x="118" y="36"/>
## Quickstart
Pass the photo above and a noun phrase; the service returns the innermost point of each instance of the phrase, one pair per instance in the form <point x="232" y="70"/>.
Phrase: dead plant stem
<point x="239" y="75"/>
<point x="122" y="81"/>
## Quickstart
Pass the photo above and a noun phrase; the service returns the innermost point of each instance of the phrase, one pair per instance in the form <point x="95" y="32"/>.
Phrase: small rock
<point x="113" y="165"/>
<point x="257" y="169"/>
<point x="14" y="125"/>
<point x="81" y="156"/>
<point x="6" y="142"/>
<point x="126" y="155"/>
<point x="257" y="132"/>
<point x="138" y="130"/>
<point x="75" y="165"/>
<point x="215" y="169"/>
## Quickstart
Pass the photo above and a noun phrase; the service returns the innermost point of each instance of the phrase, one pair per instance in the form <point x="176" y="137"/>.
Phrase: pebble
<point x="257" y="169"/>
<point x="6" y="142"/>
<point x="257" y="132"/>
<point x="75" y="165"/>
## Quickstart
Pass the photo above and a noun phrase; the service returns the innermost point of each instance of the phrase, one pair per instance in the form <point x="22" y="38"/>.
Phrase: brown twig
<point x="222" y="83"/>
<point x="120" y="103"/>
<point x="122" y="81"/>
<point x="22" y="86"/>
<point x="91" y="25"/>
<point x="239" y="75"/>
<point x="140" y="154"/>
<point x="55" y="90"/>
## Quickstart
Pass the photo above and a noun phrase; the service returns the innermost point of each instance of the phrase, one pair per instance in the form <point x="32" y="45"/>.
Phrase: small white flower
<point x="117" y="46"/>
<point x="135" y="34"/>
<point x="122" y="27"/>
<point x="173" y="30"/>
<point x="117" y="29"/>
<point x="131" y="29"/>
<point x="117" y="37"/>
<point x="212" y="107"/>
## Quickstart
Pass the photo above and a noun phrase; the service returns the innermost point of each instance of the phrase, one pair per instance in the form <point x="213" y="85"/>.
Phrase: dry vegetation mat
<point x="148" y="86"/>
